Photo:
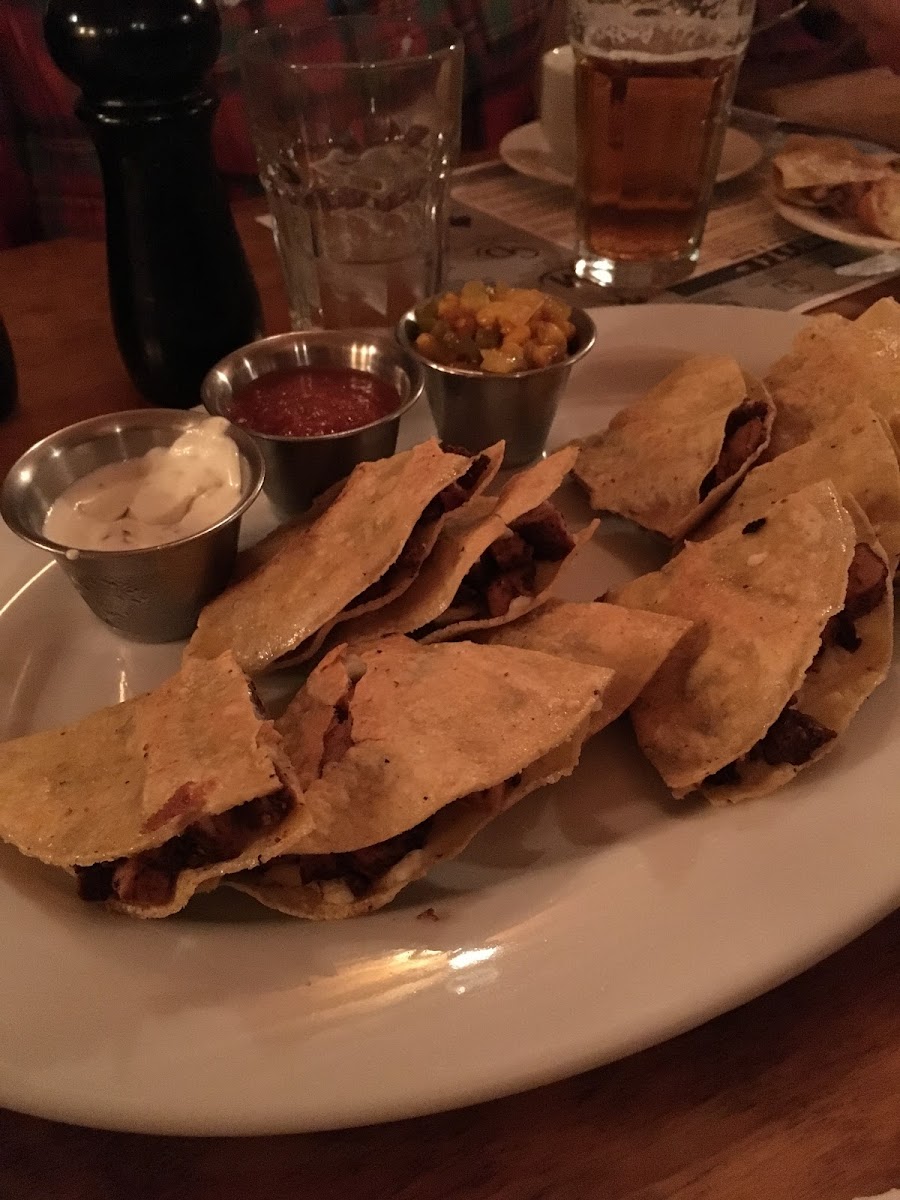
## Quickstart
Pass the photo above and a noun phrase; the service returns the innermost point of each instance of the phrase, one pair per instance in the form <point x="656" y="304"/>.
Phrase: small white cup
<point x="558" y="105"/>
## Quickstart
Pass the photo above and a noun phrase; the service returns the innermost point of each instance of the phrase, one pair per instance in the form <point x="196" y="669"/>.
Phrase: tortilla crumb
<point x="428" y="914"/>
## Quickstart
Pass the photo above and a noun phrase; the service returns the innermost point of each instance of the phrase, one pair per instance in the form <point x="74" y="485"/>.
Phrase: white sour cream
<point x="168" y="493"/>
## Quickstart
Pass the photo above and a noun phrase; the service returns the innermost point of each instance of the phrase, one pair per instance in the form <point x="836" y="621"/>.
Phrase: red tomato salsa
<point x="306" y="401"/>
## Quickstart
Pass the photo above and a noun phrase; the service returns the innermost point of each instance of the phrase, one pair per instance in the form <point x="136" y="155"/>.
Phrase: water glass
<point x="653" y="86"/>
<point x="356" y="123"/>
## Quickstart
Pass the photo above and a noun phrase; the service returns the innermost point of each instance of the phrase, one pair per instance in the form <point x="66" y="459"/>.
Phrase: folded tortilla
<point x="793" y="629"/>
<point x="147" y="800"/>
<point x="857" y="452"/>
<point x="833" y="364"/>
<point x="673" y="456"/>
<point x="633" y="644"/>
<point x="494" y="559"/>
<point x="405" y="751"/>
<point x="364" y="549"/>
<point x="826" y="173"/>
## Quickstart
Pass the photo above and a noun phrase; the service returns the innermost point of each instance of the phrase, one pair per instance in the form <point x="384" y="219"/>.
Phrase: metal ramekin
<point x="153" y="594"/>
<point x="299" y="468"/>
<point x="474" y="409"/>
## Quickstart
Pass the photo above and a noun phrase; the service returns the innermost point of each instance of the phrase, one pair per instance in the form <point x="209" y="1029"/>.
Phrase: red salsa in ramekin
<point x="312" y="402"/>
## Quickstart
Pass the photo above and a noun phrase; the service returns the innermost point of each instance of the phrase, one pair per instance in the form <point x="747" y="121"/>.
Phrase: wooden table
<point x="793" y="1097"/>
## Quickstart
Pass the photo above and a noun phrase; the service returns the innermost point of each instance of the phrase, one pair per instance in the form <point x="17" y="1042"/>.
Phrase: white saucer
<point x="836" y="229"/>
<point x="526" y="150"/>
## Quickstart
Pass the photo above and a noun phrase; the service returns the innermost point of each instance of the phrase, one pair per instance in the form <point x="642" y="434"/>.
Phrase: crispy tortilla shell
<point x="466" y="535"/>
<point x="404" y="572"/>
<point x="656" y="462"/>
<point x="266" y="617"/>
<point x="807" y="169"/>
<point x="519" y="721"/>
<point x="632" y="643"/>
<point x="759" y="596"/>
<point x="427" y="725"/>
<point x="284" y="884"/>
<point x="833" y="689"/>
<point x="460" y="625"/>
<point x="128" y="777"/>
<point x="856" y="452"/>
<point x="834" y="364"/>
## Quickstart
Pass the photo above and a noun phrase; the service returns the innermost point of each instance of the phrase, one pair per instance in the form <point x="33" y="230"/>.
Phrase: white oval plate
<point x="596" y="918"/>
<point x="836" y="229"/>
<point x="526" y="151"/>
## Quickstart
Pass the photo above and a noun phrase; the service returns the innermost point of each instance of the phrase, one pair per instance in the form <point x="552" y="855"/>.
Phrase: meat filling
<point x="338" y="736"/>
<point x="866" y="588"/>
<point x="745" y="432"/>
<point x="508" y="568"/>
<point x="418" y="544"/>
<point x="360" y="868"/>
<point x="866" y="582"/>
<point x="148" y="879"/>
<point x="840" y="198"/>
<point x="793" y="738"/>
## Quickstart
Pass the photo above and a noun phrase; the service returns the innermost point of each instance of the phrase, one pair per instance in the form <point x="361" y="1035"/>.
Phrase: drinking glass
<point x="653" y="87"/>
<point x="356" y="122"/>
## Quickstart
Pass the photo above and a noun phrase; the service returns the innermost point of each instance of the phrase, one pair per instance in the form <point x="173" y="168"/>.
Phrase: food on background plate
<point x="667" y="460"/>
<point x="793" y="629"/>
<point x="634" y="644"/>
<point x="494" y="328"/>
<point x="404" y="751"/>
<point x="879" y="208"/>
<point x="364" y="549"/>
<point x="830" y="174"/>
<point x="147" y="800"/>
<point x="494" y="559"/>
<point x="171" y="492"/>
<point x="832" y="364"/>
<point x="856" y="451"/>
<point x="312" y="401"/>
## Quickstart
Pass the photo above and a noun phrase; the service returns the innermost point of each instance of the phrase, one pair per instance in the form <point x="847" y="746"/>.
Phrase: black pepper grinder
<point x="180" y="289"/>
<point x="9" y="389"/>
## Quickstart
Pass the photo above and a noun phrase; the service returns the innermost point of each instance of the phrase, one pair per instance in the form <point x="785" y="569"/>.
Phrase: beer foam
<point x="606" y="31"/>
<point x="651" y="57"/>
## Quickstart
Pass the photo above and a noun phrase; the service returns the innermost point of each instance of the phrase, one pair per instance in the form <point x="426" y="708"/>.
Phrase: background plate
<point x="594" y="919"/>
<point x="837" y="229"/>
<point x="526" y="151"/>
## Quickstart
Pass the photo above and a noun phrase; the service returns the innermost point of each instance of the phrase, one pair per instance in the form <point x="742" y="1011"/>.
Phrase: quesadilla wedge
<point x="793" y="629"/>
<point x="146" y="800"/>
<point x="857" y="452"/>
<point x="494" y="559"/>
<point x="835" y="363"/>
<point x="667" y="460"/>
<point x="394" y="775"/>
<point x="365" y="548"/>
<point x="631" y="643"/>
<point x="826" y="173"/>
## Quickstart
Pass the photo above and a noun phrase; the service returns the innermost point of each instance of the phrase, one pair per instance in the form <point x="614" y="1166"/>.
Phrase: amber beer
<point x="649" y="137"/>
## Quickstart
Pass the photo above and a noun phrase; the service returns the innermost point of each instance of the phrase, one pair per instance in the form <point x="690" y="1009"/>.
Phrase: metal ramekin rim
<point x="471" y="373"/>
<point x="411" y="368"/>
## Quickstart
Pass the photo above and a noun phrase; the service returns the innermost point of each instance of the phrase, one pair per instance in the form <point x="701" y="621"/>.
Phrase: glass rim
<point x="253" y="43"/>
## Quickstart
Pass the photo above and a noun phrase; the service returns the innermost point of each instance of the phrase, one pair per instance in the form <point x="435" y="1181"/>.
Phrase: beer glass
<point x="355" y="121"/>
<point x="653" y="87"/>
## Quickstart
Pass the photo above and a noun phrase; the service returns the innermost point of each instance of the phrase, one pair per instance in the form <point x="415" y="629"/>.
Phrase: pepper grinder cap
<point x="140" y="51"/>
